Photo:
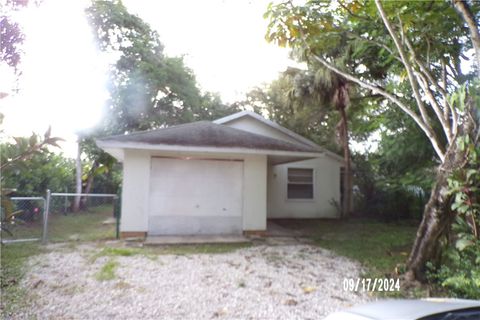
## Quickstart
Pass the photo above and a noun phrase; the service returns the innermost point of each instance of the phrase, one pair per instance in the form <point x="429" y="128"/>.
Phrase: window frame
<point x="296" y="183"/>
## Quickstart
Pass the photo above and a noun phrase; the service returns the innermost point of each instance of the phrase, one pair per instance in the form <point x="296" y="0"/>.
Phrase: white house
<point x="222" y="177"/>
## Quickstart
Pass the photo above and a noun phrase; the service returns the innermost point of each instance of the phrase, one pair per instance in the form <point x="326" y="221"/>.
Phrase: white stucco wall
<point x="255" y="193"/>
<point x="326" y="188"/>
<point x="255" y="126"/>
<point x="136" y="185"/>
<point x="136" y="181"/>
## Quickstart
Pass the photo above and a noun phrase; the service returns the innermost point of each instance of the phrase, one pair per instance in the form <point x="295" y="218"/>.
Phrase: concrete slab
<point x="194" y="239"/>
<point x="274" y="229"/>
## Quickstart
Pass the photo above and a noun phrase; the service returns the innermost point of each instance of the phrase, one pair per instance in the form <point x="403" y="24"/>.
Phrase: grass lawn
<point x="85" y="225"/>
<point x="381" y="248"/>
<point x="378" y="246"/>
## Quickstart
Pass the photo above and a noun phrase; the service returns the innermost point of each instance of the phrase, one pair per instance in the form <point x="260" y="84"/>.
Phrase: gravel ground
<point x="260" y="282"/>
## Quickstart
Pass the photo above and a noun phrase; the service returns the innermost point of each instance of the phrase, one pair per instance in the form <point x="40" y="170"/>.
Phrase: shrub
<point x="459" y="271"/>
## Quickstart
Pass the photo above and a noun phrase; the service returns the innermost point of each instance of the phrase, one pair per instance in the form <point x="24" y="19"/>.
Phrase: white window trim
<point x="313" y="187"/>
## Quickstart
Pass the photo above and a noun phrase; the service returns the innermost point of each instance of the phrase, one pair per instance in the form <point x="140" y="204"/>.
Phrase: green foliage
<point x="351" y="36"/>
<point x="32" y="177"/>
<point x="349" y="33"/>
<point x="459" y="271"/>
<point x="307" y="119"/>
<point x="114" y="252"/>
<point x="107" y="272"/>
<point x="147" y="89"/>
<point x="395" y="179"/>
<point x="23" y="148"/>
<point x="385" y="196"/>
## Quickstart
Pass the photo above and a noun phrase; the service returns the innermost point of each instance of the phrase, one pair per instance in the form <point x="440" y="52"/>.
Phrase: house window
<point x="300" y="183"/>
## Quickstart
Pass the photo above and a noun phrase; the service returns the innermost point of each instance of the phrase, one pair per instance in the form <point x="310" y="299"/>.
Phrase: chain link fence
<point x="56" y="218"/>
<point x="94" y="218"/>
<point x="24" y="219"/>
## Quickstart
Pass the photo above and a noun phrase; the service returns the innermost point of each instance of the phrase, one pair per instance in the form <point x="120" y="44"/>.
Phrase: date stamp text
<point x="371" y="284"/>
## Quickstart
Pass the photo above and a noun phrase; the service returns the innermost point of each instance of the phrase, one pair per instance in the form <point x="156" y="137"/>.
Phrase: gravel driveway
<point x="259" y="282"/>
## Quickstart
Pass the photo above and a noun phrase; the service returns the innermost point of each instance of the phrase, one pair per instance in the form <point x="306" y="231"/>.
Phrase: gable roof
<point x="290" y="133"/>
<point x="205" y="134"/>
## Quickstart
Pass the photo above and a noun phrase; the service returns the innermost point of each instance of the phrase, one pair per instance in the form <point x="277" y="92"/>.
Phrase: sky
<point x="63" y="81"/>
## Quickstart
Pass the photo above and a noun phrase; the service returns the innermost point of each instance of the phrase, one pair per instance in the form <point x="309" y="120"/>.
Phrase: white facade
<point x="326" y="191"/>
<point x="169" y="189"/>
<point x="186" y="193"/>
<point x="326" y="183"/>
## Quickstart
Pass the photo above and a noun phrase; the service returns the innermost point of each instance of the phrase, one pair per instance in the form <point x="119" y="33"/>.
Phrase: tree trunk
<point x="88" y="185"/>
<point x="437" y="216"/>
<point x="347" y="181"/>
<point x="78" y="180"/>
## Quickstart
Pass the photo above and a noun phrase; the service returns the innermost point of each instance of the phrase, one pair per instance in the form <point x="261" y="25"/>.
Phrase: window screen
<point x="300" y="183"/>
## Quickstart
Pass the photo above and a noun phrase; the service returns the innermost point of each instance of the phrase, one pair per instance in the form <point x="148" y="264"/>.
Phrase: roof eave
<point x="116" y="145"/>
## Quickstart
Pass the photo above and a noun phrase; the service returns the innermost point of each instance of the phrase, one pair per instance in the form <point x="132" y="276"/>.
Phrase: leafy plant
<point x="7" y="213"/>
<point x="459" y="271"/>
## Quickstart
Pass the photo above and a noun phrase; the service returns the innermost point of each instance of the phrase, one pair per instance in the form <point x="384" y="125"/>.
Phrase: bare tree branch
<point x="422" y="76"/>
<point x="426" y="128"/>
<point x="408" y="67"/>
<point x="377" y="90"/>
<point x="435" y="106"/>
<point x="469" y="19"/>
<point x="413" y="81"/>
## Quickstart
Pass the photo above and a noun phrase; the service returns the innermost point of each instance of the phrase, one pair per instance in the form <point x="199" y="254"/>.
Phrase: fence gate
<point x="97" y="219"/>
<point x="53" y="218"/>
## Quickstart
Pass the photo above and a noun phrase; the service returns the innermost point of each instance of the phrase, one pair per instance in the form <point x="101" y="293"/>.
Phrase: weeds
<point x="107" y="272"/>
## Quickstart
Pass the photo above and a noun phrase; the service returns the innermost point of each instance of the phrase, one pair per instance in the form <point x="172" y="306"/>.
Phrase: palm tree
<point x="327" y="90"/>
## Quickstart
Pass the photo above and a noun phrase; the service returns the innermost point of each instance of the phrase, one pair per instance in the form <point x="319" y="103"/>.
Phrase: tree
<point x="147" y="89"/>
<point x="40" y="171"/>
<point x="23" y="149"/>
<point x="11" y="35"/>
<point x="277" y="101"/>
<point x="413" y="63"/>
<point x="323" y="89"/>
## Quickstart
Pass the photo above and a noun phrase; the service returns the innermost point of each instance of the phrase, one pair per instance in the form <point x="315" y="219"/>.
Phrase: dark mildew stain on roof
<point x="208" y="134"/>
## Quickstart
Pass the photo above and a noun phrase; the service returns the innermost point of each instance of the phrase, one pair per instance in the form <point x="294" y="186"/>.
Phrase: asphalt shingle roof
<point x="208" y="134"/>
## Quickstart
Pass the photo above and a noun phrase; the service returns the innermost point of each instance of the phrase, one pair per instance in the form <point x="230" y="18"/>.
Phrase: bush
<point x="459" y="271"/>
<point x="387" y="198"/>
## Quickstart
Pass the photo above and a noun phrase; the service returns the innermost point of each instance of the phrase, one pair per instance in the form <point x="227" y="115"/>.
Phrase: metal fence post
<point x="116" y="213"/>
<point x="46" y="212"/>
